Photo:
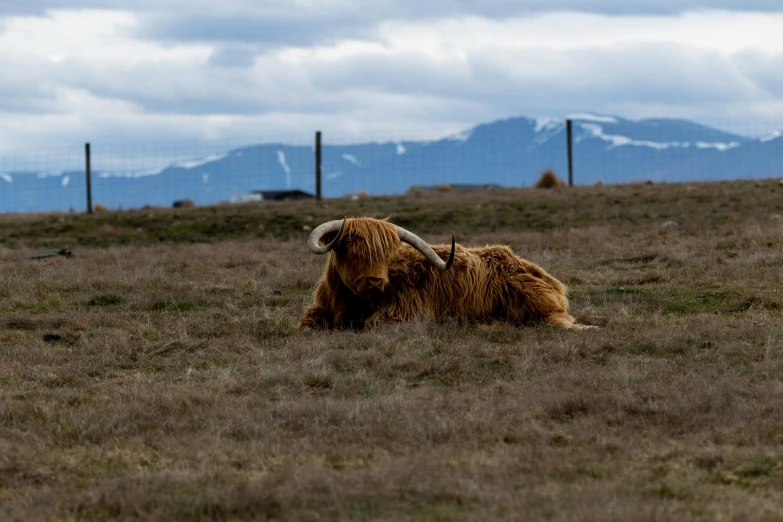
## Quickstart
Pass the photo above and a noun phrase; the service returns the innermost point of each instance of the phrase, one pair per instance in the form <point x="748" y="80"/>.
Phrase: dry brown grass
<point x="549" y="180"/>
<point x="168" y="382"/>
<point x="622" y="206"/>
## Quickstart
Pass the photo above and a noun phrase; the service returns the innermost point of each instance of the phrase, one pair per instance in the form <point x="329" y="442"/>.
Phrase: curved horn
<point x="420" y="245"/>
<point x="314" y="241"/>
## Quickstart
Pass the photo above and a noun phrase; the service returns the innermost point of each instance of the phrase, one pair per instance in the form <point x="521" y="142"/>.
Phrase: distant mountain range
<point x="511" y="152"/>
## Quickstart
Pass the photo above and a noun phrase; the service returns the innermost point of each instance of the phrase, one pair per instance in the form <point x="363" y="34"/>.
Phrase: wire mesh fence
<point x="508" y="153"/>
<point x="42" y="179"/>
<point x="156" y="174"/>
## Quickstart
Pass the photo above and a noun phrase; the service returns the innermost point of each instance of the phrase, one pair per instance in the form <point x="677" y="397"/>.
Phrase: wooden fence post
<point x="318" y="165"/>
<point x="88" y="174"/>
<point x="570" y="142"/>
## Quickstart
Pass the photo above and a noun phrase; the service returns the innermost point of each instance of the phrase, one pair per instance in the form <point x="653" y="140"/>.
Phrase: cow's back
<point x="484" y="284"/>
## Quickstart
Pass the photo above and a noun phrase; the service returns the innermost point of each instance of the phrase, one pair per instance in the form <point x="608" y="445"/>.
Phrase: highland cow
<point x="380" y="273"/>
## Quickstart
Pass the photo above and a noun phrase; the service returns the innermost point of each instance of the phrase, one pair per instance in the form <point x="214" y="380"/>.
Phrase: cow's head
<point x="361" y="250"/>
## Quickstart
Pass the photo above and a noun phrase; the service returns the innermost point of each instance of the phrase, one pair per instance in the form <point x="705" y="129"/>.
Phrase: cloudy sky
<point x="179" y="70"/>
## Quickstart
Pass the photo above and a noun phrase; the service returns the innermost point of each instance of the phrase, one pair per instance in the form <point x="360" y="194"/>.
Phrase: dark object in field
<point x="53" y="253"/>
<point x="183" y="203"/>
<point x="283" y="195"/>
<point x="52" y="338"/>
<point x="379" y="273"/>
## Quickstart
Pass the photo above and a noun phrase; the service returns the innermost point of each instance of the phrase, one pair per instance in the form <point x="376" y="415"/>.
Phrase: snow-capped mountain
<point x="511" y="152"/>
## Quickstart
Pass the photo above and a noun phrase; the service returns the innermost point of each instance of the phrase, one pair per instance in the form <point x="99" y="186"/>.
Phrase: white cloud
<point x="100" y="37"/>
<point x="718" y="31"/>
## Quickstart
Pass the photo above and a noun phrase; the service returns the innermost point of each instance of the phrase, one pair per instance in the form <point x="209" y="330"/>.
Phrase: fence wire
<point x="509" y="153"/>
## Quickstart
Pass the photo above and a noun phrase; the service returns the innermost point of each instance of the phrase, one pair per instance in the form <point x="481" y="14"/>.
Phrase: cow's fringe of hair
<point x="380" y="237"/>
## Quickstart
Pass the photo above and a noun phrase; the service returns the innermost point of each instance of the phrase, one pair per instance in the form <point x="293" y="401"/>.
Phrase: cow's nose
<point x="375" y="282"/>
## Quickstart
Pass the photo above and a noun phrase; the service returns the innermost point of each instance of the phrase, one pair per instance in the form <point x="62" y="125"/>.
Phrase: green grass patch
<point x="174" y="306"/>
<point x="105" y="300"/>
<point x="716" y="301"/>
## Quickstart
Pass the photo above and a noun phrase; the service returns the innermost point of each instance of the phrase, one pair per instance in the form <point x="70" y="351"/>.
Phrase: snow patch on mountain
<point x="352" y="159"/>
<point x="597" y="118"/>
<point x="773" y="136"/>
<point x="616" y="140"/>
<point x="546" y="123"/>
<point x="130" y="174"/>
<point x="192" y="164"/>
<point x="49" y="174"/>
<point x="547" y="128"/>
<point x="719" y="146"/>
<point x="283" y="163"/>
<point x="460" y="136"/>
<point x="179" y="164"/>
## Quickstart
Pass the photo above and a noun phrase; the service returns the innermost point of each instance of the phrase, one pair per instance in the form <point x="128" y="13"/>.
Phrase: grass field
<point x="159" y="374"/>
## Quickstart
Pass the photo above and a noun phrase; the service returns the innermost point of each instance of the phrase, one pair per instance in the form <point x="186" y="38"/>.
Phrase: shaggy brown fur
<point x="371" y="277"/>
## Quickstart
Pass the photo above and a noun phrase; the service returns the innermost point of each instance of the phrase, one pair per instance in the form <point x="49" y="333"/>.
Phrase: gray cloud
<point x="285" y="22"/>
<point x="404" y="8"/>
<point x="265" y="31"/>
<point x="384" y="9"/>
<point x="764" y="69"/>
<point x="584" y="79"/>
<point x="39" y="7"/>
<point x="233" y="56"/>
<point x="302" y="27"/>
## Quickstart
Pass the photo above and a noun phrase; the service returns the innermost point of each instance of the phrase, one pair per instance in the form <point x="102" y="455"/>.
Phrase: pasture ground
<point x="159" y="373"/>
